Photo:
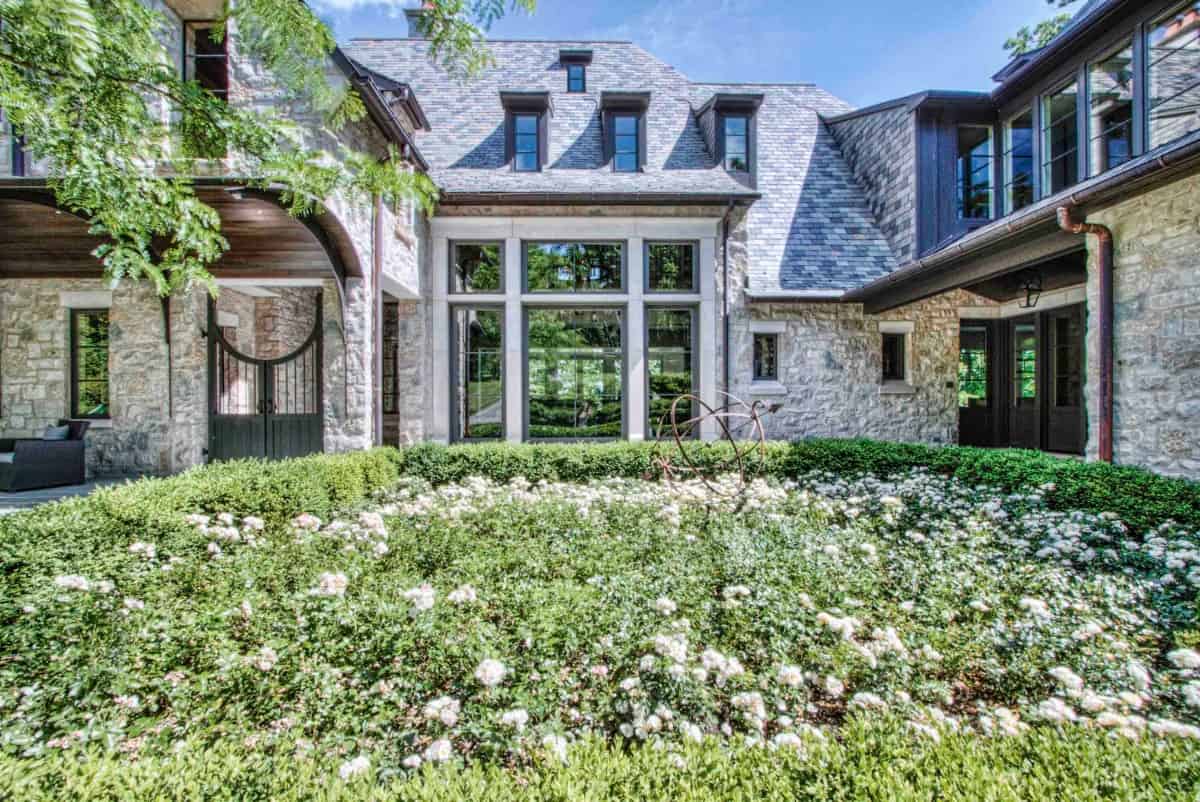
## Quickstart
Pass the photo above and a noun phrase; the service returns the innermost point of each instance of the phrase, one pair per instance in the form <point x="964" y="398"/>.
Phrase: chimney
<point x="417" y="20"/>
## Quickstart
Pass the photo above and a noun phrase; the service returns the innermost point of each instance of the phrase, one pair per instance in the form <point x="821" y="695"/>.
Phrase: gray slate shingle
<point x="812" y="229"/>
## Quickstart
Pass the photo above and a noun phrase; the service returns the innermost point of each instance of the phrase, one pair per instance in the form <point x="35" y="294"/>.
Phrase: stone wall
<point x="830" y="359"/>
<point x="283" y="323"/>
<point x="241" y="306"/>
<point x="411" y="369"/>
<point x="35" y="368"/>
<point x="1157" y="348"/>
<point x="881" y="150"/>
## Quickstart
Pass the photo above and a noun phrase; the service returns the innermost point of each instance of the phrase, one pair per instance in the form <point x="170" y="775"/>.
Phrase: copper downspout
<point x="1104" y="238"/>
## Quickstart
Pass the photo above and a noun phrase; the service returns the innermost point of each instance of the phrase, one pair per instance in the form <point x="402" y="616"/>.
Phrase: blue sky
<point x="863" y="52"/>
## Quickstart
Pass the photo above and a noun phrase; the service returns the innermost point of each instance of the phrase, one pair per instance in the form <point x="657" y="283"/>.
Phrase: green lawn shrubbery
<point x="329" y="627"/>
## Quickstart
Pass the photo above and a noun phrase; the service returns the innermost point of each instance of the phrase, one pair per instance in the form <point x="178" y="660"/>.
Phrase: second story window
<point x="974" y="172"/>
<point x="1018" y="162"/>
<point x="1110" y="115"/>
<point x="1060" y="140"/>
<point x="576" y="78"/>
<point x="1173" y="56"/>
<point x="625" y="143"/>
<point x="206" y="59"/>
<point x="737" y="144"/>
<point x="525" y="158"/>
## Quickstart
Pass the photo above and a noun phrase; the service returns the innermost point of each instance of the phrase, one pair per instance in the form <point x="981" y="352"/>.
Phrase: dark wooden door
<point x="1064" y="419"/>
<point x="976" y="383"/>
<point x="1024" y="383"/>
<point x="264" y="408"/>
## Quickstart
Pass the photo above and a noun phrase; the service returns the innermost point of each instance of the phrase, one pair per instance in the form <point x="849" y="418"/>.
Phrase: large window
<point x="626" y="158"/>
<point x="1174" y="75"/>
<point x="1018" y="162"/>
<point x="737" y="144"/>
<point x="671" y="267"/>
<point x="525" y="145"/>
<point x="1110" y="115"/>
<point x="478" y="373"/>
<point x="89" y="363"/>
<point x="576" y="373"/>
<point x="1060" y="138"/>
<point x="476" y="267"/>
<point x="974" y="172"/>
<point x="574" y="267"/>
<point x="669" y="367"/>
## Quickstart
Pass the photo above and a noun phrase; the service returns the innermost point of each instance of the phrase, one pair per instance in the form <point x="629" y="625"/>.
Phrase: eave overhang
<point x="378" y="108"/>
<point x="745" y="102"/>
<point x="1035" y="226"/>
<point x="596" y="198"/>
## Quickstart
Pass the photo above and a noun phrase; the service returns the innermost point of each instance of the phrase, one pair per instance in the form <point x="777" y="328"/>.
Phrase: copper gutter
<point x="1106" y="314"/>
<point x="377" y="322"/>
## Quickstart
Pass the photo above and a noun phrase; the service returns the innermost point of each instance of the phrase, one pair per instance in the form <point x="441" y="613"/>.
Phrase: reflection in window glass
<point x="893" y="358"/>
<point x="766" y="357"/>
<point x="1110" y="88"/>
<point x="391" y="350"/>
<point x="737" y="148"/>
<point x="526" y="145"/>
<point x="972" y="368"/>
<point x="1067" y="348"/>
<point x="1018" y="162"/>
<point x="671" y="266"/>
<point x="573" y="266"/>
<point x="669" y="367"/>
<point x="974" y="172"/>
<point x="625" y="142"/>
<point x="1025" y="364"/>
<point x="1174" y="59"/>
<point x="89" y="363"/>
<point x="576" y="78"/>
<point x="479" y="374"/>
<point x="576" y="373"/>
<point x="477" y="267"/>
<point x="1060" y="133"/>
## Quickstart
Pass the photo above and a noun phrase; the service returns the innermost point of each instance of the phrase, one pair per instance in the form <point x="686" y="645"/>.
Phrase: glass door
<point x="975" y="418"/>
<point x="1064" y="415"/>
<point x="1024" y="418"/>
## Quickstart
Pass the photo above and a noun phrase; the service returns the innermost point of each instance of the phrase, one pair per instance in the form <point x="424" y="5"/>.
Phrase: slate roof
<point x="466" y="149"/>
<point x="811" y="229"/>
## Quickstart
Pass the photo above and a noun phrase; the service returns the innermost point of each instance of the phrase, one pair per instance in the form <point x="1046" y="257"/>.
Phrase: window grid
<point x="525" y="148"/>
<point x="626" y="158"/>
<point x="1110" y="112"/>
<point x="737" y="144"/>
<point x="576" y="78"/>
<point x="766" y="357"/>
<point x="1018" y="162"/>
<point x="1060" y="133"/>
<point x="89" y="363"/>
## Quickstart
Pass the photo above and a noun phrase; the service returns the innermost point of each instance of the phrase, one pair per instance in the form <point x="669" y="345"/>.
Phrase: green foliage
<point x="873" y="763"/>
<point x="1140" y="498"/>
<point x="92" y="85"/>
<point x="1027" y="39"/>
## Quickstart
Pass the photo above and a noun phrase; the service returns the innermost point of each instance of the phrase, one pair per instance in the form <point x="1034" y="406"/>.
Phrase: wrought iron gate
<point x="266" y="408"/>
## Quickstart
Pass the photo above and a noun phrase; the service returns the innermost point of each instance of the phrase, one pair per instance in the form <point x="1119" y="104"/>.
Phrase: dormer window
<point x="625" y="129"/>
<point x="728" y="122"/>
<point x="576" y="78"/>
<point x="575" y="62"/>
<point x="526" y="153"/>
<point x="737" y="144"/>
<point x="527" y="129"/>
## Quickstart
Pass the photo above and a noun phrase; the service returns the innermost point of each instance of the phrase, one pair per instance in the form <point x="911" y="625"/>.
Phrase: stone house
<point x="1013" y="267"/>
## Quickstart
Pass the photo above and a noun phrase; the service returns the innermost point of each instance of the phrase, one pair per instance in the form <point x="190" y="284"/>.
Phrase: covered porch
<point x="268" y="368"/>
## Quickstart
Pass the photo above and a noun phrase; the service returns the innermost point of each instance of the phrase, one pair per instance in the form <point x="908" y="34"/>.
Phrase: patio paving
<point x="28" y="499"/>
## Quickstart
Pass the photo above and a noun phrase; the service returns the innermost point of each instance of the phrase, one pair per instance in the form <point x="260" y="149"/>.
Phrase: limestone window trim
<point x="85" y="299"/>
<point x="764" y="386"/>
<point x="905" y="329"/>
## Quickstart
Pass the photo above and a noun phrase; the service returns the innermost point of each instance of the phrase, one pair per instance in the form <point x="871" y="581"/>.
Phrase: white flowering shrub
<point x="479" y="622"/>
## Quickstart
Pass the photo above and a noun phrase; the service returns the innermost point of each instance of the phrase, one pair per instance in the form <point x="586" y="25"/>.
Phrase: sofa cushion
<point x="7" y="456"/>
<point x="57" y="433"/>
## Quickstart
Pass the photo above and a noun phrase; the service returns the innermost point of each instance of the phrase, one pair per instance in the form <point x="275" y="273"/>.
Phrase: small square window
<point x="477" y="267"/>
<point x="576" y="78"/>
<point x="893" y="358"/>
<point x="671" y="266"/>
<point x="766" y="357"/>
